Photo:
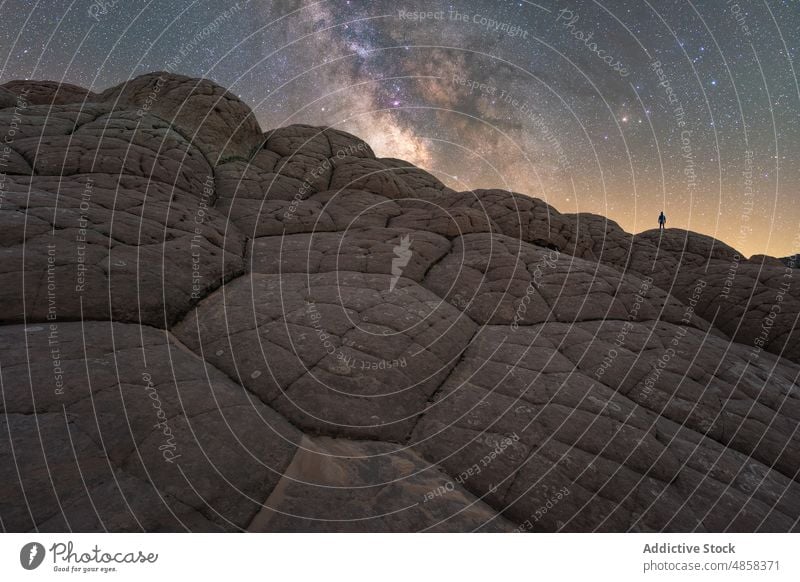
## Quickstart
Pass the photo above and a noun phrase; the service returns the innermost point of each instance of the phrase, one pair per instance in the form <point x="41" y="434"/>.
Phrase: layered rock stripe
<point x="209" y="327"/>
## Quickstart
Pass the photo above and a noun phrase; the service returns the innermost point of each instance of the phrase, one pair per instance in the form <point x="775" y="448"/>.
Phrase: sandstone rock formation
<point x="208" y="327"/>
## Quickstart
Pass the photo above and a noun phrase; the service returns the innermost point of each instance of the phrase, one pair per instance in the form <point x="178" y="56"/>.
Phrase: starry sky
<point x="621" y="108"/>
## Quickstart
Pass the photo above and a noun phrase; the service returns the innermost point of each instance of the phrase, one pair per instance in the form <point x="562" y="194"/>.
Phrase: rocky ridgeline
<point x="208" y="327"/>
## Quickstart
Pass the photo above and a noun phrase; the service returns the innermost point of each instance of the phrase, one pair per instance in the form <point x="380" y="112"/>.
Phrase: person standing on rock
<point x="662" y="221"/>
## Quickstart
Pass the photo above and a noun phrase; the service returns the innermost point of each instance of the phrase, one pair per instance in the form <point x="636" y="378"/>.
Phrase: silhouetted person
<point x="662" y="221"/>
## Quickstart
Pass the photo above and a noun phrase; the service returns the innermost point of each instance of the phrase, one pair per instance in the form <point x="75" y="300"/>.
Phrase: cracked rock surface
<point x="209" y="327"/>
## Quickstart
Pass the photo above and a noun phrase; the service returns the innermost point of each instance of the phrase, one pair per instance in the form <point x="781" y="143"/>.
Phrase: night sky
<point x="619" y="108"/>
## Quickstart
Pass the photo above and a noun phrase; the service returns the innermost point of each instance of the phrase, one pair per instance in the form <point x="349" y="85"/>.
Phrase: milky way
<point x="617" y="108"/>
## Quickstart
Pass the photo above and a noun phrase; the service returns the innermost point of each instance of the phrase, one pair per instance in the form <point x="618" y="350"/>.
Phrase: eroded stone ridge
<point x="209" y="327"/>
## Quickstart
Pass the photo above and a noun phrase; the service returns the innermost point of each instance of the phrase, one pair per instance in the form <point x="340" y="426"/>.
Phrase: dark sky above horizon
<point x="618" y="108"/>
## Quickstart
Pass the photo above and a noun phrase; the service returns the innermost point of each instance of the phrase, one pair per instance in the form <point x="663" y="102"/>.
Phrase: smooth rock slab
<point x="336" y="485"/>
<point x="120" y="414"/>
<point x="630" y="459"/>
<point x="497" y="279"/>
<point x="337" y="353"/>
